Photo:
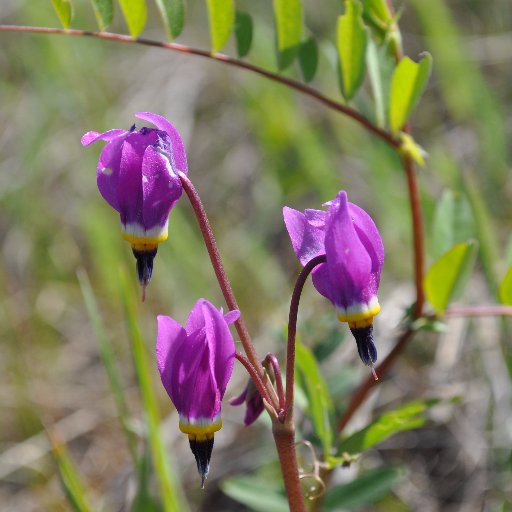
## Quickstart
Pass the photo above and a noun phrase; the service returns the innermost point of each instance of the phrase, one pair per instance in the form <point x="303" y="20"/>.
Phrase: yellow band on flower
<point x="358" y="319"/>
<point x="200" y="432"/>
<point x="144" y="243"/>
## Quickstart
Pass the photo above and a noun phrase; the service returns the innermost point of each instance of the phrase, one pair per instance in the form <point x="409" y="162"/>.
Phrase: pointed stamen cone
<point x="202" y="450"/>
<point x="144" y="267"/>
<point x="365" y="345"/>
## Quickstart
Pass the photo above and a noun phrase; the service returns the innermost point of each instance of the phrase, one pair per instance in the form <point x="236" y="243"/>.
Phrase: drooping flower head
<point x="253" y="401"/>
<point x="137" y="174"/>
<point x="195" y="364"/>
<point x="354" y="253"/>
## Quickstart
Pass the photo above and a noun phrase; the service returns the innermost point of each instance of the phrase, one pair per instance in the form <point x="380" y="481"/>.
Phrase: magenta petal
<point x="348" y="262"/>
<point x="322" y="282"/>
<point x="161" y="188"/>
<point x="240" y="399"/>
<point x="177" y="149"/>
<point x="221" y="345"/>
<point x="232" y="316"/>
<point x="307" y="232"/>
<point x="370" y="237"/>
<point x="109" y="135"/>
<point x="170" y="339"/>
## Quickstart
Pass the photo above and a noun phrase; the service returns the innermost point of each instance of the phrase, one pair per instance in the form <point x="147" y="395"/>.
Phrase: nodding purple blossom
<point x="354" y="253"/>
<point x="137" y="174"/>
<point x="195" y="364"/>
<point x="253" y="401"/>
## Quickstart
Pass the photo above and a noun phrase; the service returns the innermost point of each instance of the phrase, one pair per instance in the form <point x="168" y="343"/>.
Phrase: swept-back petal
<point x="171" y="337"/>
<point x="370" y="237"/>
<point x="130" y="181"/>
<point x="307" y="232"/>
<point x="231" y="316"/>
<point x="107" y="172"/>
<point x="200" y="397"/>
<point x="222" y="345"/>
<point x="348" y="262"/>
<point x="161" y="188"/>
<point x="178" y="156"/>
<point x="195" y="320"/>
<point x="90" y="137"/>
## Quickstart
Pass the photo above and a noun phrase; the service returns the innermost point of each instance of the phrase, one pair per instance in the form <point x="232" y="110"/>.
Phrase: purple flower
<point x="195" y="365"/>
<point x="251" y="397"/>
<point x="137" y="175"/>
<point x="354" y="253"/>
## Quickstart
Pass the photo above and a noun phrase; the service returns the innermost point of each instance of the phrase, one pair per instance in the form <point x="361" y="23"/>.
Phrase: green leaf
<point x="173" y="16"/>
<point x="135" y="14"/>
<point x="351" y="41"/>
<point x="407" y="85"/>
<point x="255" y="494"/>
<point x="320" y="404"/>
<point x="243" y="33"/>
<point x="505" y="291"/>
<point x="453" y="222"/>
<point x="409" y="147"/>
<point x="406" y="417"/>
<point x="374" y="73"/>
<point x="170" y="491"/>
<point x="446" y="278"/>
<point x="367" y="488"/>
<point x="222" y="20"/>
<point x="308" y="58"/>
<point x="70" y="477"/>
<point x="64" y="11"/>
<point x="377" y="13"/>
<point x="104" y="11"/>
<point x="288" y="18"/>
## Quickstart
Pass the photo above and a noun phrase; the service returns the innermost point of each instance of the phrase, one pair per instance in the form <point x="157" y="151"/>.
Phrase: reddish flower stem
<point x="258" y="382"/>
<point x="218" y="267"/>
<point x="292" y="332"/>
<point x="272" y="359"/>
<point x="219" y="57"/>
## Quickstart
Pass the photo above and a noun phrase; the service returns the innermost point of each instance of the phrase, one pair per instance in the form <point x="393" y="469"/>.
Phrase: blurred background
<point x="253" y="146"/>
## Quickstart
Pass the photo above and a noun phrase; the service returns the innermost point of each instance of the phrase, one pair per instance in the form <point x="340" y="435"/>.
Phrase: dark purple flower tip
<point x="365" y="345"/>
<point x="251" y="397"/>
<point x="202" y="450"/>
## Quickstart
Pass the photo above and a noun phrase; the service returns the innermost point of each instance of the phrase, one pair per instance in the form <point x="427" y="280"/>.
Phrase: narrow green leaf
<point x="70" y="477"/>
<point x="288" y="16"/>
<point x="367" y="488"/>
<point x="351" y="42"/>
<point x="453" y="222"/>
<point x="243" y="33"/>
<point x="104" y="11"/>
<point x="222" y="21"/>
<point x="319" y="400"/>
<point x="308" y="58"/>
<point x="406" y="417"/>
<point x="408" y="83"/>
<point x="173" y="16"/>
<point x="374" y="73"/>
<point x="255" y="494"/>
<point x="109" y="360"/>
<point x="505" y="291"/>
<point x="64" y="11"/>
<point x="447" y="277"/>
<point x="169" y="488"/>
<point x="135" y="14"/>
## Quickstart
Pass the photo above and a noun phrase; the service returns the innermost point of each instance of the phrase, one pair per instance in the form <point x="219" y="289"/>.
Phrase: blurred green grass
<point x="253" y="146"/>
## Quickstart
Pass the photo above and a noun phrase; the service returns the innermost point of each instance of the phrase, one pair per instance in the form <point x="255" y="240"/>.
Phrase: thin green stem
<point x="219" y="57"/>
